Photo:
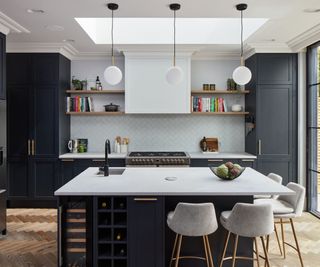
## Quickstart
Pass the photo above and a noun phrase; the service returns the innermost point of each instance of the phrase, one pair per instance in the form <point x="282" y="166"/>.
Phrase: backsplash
<point x="161" y="132"/>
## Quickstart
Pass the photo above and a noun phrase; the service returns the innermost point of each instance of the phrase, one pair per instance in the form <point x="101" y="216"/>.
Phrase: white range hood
<point x="146" y="88"/>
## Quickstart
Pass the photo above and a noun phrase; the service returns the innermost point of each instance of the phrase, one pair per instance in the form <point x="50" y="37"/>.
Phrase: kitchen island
<point x="120" y="220"/>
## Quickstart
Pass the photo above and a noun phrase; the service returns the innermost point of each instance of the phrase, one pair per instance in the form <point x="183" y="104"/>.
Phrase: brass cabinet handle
<point x="59" y="235"/>
<point x="247" y="160"/>
<point x="67" y="160"/>
<point x="28" y="147"/>
<point x="98" y="160"/>
<point x="32" y="147"/>
<point x="259" y="146"/>
<point x="145" y="199"/>
<point x="215" y="160"/>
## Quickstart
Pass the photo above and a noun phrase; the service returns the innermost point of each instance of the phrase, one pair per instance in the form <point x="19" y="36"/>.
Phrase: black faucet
<point x="107" y="151"/>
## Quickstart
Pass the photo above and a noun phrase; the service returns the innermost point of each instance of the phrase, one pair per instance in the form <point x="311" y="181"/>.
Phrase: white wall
<point x="162" y="132"/>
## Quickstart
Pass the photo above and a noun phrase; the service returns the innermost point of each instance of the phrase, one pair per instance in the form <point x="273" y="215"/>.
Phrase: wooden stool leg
<point x="173" y="250"/>
<point x="265" y="252"/>
<point x="206" y="249"/>
<point x="257" y="251"/>
<point x="209" y="250"/>
<point x="296" y="240"/>
<point x="225" y="249"/>
<point x="235" y="251"/>
<point x="283" y="241"/>
<point x="178" y="250"/>
<point x="278" y="240"/>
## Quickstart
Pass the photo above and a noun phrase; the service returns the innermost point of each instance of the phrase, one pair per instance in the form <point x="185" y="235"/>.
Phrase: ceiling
<point x="289" y="28"/>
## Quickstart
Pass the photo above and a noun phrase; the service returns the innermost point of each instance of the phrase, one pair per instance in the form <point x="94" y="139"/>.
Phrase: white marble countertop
<point x="152" y="182"/>
<point x="89" y="155"/>
<point x="195" y="155"/>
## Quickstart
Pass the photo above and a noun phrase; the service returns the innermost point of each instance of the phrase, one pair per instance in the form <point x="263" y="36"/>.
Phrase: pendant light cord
<point x="112" y="55"/>
<point x="174" y="38"/>
<point x="241" y="34"/>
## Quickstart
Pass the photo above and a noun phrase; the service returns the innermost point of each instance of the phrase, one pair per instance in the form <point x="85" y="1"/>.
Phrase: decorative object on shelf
<point x="250" y="124"/>
<point x="111" y="108"/>
<point x="124" y="145"/>
<point x="236" y="108"/>
<point x="242" y="75"/>
<point x="205" y="87"/>
<point x="84" y="85"/>
<point x="212" y="87"/>
<point x="79" y="104"/>
<point x="232" y="86"/>
<point x="98" y="84"/>
<point x="78" y="145"/>
<point x="117" y="145"/>
<point x="112" y="74"/>
<point x="228" y="171"/>
<point x="174" y="74"/>
<point x="209" y="145"/>
<point x="76" y="84"/>
<point x="208" y="104"/>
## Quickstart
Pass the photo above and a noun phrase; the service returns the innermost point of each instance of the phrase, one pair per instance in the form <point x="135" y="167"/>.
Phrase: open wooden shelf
<point x="195" y="92"/>
<point x="100" y="113"/>
<point x="220" y="113"/>
<point x="93" y="92"/>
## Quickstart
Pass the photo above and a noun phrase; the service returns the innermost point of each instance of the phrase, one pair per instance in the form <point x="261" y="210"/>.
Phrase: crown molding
<point x="65" y="49"/>
<point x="3" y="29"/>
<point x="212" y="55"/>
<point x="11" y="24"/>
<point x="305" y="39"/>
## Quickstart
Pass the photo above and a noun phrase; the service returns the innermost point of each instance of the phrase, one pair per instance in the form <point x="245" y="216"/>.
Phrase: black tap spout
<point x="107" y="150"/>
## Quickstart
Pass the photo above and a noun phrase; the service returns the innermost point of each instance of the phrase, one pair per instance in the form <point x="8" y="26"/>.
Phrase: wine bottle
<point x="122" y="252"/>
<point x="119" y="237"/>
<point x="104" y="205"/>
<point x="121" y="205"/>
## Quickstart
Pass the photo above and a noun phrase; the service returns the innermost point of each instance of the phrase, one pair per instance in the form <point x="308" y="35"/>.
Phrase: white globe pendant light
<point x="112" y="74"/>
<point x="174" y="74"/>
<point x="242" y="75"/>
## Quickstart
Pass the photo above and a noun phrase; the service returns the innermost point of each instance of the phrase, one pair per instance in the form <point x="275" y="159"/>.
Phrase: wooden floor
<point x="31" y="241"/>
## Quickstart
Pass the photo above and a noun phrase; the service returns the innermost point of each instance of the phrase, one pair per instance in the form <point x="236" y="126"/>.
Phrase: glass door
<point x="313" y="130"/>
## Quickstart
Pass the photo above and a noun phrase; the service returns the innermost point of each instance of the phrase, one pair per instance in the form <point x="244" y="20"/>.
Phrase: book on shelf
<point x="208" y="104"/>
<point x="79" y="104"/>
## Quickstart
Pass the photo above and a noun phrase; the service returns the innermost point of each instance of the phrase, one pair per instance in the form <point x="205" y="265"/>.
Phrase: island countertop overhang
<point x="152" y="182"/>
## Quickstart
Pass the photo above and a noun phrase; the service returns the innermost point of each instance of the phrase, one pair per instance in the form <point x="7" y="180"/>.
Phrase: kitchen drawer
<point x="217" y="162"/>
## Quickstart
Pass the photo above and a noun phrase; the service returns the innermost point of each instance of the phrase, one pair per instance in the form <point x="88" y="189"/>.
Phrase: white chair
<point x="286" y="208"/>
<point x="247" y="220"/>
<point x="192" y="220"/>
<point x="276" y="178"/>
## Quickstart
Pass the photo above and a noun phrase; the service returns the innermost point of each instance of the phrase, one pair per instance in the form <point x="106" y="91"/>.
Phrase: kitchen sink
<point x="118" y="171"/>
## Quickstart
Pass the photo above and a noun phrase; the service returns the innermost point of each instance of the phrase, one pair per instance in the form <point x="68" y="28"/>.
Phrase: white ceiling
<point x="287" y="29"/>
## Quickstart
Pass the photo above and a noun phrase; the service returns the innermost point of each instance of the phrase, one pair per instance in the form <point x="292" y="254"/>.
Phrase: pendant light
<point x="174" y="74"/>
<point x="112" y="74"/>
<point x="242" y="75"/>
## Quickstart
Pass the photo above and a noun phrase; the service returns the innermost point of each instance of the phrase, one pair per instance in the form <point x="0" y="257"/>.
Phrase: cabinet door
<point x="18" y="178"/>
<point x="45" y="121"/>
<point x="18" y="120"/>
<point x="45" y="68"/>
<point x="66" y="171"/>
<point x="283" y="167"/>
<point x="247" y="163"/>
<point x="146" y="231"/>
<point x="44" y="174"/>
<point x="2" y="66"/>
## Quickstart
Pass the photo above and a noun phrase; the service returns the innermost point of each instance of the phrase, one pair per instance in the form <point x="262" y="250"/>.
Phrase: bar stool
<point x="276" y="178"/>
<point x="247" y="220"/>
<point x="193" y="220"/>
<point x="286" y="208"/>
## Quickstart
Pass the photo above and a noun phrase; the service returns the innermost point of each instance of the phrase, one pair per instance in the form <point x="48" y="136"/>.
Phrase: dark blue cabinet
<point x="272" y="104"/>
<point x="37" y="125"/>
<point x="146" y="225"/>
<point x="2" y="66"/>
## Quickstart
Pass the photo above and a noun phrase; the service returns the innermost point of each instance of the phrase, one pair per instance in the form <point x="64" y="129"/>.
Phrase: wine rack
<point x="110" y="243"/>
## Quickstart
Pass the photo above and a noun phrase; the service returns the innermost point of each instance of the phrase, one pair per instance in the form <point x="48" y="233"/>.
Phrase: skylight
<point x="159" y="30"/>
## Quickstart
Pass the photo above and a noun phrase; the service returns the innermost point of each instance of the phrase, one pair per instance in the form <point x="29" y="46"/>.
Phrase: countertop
<point x="152" y="182"/>
<point x="195" y="155"/>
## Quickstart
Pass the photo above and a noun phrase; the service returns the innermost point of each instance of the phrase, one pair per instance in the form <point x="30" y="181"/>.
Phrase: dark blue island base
<point x="131" y="231"/>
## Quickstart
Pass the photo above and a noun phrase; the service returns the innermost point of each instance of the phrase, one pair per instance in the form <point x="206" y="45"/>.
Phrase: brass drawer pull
<point x="215" y="160"/>
<point x="32" y="147"/>
<point x="98" y="160"/>
<point x="259" y="147"/>
<point x="67" y="160"/>
<point x="247" y="160"/>
<point x="145" y="199"/>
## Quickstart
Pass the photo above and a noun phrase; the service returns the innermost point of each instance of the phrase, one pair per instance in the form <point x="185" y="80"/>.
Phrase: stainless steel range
<point x="158" y="159"/>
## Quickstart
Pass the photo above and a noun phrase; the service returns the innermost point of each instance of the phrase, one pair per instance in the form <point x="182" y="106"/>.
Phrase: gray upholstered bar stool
<point x="285" y="209"/>
<point x="247" y="220"/>
<point x="276" y="178"/>
<point x="197" y="220"/>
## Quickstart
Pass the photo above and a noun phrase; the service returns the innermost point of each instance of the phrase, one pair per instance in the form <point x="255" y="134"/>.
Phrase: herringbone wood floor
<point x="31" y="241"/>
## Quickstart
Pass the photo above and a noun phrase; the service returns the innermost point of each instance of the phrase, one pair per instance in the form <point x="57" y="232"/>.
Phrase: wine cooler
<point x="110" y="243"/>
<point x="74" y="232"/>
